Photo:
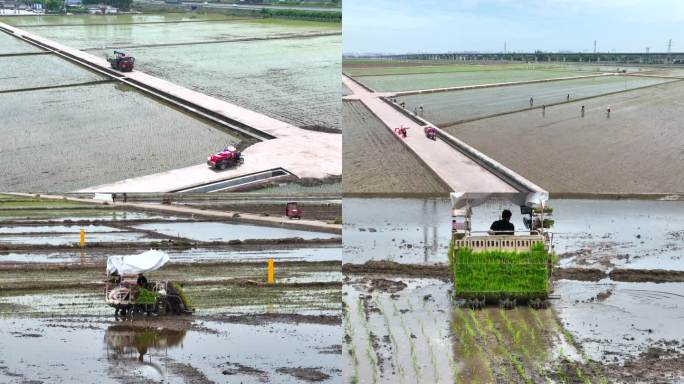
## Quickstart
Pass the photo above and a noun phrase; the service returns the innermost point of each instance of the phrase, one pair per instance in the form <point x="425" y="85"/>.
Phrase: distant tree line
<point x="301" y="14"/>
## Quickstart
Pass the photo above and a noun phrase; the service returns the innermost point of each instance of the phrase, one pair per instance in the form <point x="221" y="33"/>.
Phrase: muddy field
<point x="398" y="329"/>
<point x="596" y="154"/>
<point x="375" y="161"/>
<point x="608" y="324"/>
<point x="51" y="298"/>
<point x="447" y="108"/>
<point x="603" y="234"/>
<point x="328" y="212"/>
<point x="102" y="142"/>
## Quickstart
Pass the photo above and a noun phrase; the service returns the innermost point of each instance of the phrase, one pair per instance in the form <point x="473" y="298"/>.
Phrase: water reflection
<point x="128" y="343"/>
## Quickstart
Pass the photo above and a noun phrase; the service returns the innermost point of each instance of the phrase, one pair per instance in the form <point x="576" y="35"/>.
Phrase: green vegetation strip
<point x="498" y="273"/>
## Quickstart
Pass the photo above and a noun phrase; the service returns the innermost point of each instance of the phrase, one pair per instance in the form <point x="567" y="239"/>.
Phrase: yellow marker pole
<point x="82" y="237"/>
<point x="271" y="272"/>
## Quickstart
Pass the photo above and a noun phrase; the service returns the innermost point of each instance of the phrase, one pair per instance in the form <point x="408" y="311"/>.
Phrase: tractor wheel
<point x="223" y="166"/>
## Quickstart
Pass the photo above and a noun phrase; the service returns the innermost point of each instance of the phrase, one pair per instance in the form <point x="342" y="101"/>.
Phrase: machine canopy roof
<point x="460" y="200"/>
<point x="134" y="264"/>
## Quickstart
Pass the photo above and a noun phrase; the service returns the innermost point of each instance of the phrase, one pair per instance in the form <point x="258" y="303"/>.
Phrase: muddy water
<point x="75" y="238"/>
<point x="56" y="228"/>
<point x="87" y="350"/>
<point x="192" y="255"/>
<point x="630" y="233"/>
<point x="76" y="214"/>
<point x="208" y="231"/>
<point x="631" y="318"/>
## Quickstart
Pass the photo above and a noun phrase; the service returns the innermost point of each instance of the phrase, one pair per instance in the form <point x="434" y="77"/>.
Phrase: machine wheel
<point x="507" y="303"/>
<point x="538" y="303"/>
<point x="222" y="166"/>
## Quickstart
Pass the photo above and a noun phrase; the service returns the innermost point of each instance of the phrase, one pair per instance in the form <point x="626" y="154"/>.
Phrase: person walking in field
<point x="421" y="110"/>
<point x="608" y="113"/>
<point x="544" y="110"/>
<point x="531" y="102"/>
<point x="583" y="111"/>
<point x="567" y="98"/>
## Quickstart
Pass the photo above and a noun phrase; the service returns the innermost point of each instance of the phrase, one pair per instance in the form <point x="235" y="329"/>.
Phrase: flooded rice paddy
<point x="54" y="320"/>
<point x="412" y="82"/>
<point x="399" y="328"/>
<point x="208" y="231"/>
<point x="285" y="69"/>
<point x="447" y="108"/>
<point x="125" y="31"/>
<point x="26" y="72"/>
<point x="195" y="255"/>
<point x="97" y="134"/>
<point x="11" y="45"/>
<point x="276" y="67"/>
<point x="612" y="158"/>
<point x="289" y="79"/>
<point x="598" y="233"/>
<point x="116" y="352"/>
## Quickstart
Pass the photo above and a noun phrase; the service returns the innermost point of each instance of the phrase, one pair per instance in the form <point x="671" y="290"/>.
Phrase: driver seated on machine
<point x="503" y="226"/>
<point x="142" y="281"/>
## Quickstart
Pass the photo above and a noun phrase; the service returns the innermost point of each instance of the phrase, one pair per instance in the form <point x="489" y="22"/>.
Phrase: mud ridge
<point x="293" y="318"/>
<point x="643" y="276"/>
<point x="385" y="267"/>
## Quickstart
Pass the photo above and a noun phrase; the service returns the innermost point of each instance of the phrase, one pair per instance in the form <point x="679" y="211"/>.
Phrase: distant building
<point x="73" y="3"/>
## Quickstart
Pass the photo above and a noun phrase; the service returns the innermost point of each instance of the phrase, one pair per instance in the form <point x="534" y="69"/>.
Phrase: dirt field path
<point x="455" y="169"/>
<point x="316" y="225"/>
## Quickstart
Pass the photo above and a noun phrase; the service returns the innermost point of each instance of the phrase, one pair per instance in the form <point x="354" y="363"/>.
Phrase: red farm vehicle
<point x="430" y="132"/>
<point x="121" y="61"/>
<point x="229" y="157"/>
<point x="401" y="131"/>
<point x="292" y="210"/>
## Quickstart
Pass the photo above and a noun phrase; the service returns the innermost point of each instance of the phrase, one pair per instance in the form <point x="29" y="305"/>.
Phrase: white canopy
<point x="461" y="200"/>
<point x="134" y="264"/>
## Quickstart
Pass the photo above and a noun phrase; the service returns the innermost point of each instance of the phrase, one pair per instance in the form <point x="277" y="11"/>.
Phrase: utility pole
<point x="504" y="47"/>
<point x="594" y="46"/>
<point x="669" y="50"/>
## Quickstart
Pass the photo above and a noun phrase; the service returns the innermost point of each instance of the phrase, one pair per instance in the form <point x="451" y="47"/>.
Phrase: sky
<point x="401" y="26"/>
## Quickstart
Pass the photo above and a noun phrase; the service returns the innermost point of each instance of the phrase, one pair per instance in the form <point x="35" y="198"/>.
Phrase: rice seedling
<point x="499" y="273"/>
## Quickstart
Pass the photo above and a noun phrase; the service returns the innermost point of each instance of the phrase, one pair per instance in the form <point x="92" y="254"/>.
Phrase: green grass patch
<point x="499" y="273"/>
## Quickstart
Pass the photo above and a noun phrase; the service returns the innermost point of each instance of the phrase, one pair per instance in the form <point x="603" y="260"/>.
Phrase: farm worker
<point x="403" y="105"/>
<point x="608" y="113"/>
<point x="503" y="226"/>
<point x="415" y="111"/>
<point x="531" y="102"/>
<point x="567" y="98"/>
<point x="142" y="280"/>
<point x="421" y="110"/>
<point x="544" y="110"/>
<point x="583" y="111"/>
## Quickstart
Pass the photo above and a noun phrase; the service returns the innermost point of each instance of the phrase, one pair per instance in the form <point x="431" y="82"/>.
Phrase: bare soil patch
<point x="376" y="162"/>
